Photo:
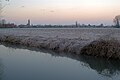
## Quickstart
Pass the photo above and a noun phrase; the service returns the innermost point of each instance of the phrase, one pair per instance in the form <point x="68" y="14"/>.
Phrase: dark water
<point x="17" y="63"/>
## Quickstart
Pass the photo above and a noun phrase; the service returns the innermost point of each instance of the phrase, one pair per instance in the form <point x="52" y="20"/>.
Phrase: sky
<point x="61" y="11"/>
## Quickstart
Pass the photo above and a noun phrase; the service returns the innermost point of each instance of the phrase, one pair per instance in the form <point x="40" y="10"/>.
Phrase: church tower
<point x="28" y="24"/>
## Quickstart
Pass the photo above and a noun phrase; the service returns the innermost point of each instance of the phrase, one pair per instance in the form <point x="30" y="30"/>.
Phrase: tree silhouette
<point x="1" y="8"/>
<point x="1" y="5"/>
<point x="117" y="21"/>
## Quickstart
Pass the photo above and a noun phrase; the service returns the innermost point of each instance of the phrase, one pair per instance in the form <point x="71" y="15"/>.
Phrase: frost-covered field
<point x="71" y="33"/>
<point x="60" y="39"/>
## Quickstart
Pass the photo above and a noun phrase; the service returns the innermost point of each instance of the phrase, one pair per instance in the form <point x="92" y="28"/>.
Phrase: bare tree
<point x="1" y="5"/>
<point x="117" y="21"/>
<point x="1" y="8"/>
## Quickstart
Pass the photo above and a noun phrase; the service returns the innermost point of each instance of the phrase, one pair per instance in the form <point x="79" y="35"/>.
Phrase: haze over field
<point x="62" y="11"/>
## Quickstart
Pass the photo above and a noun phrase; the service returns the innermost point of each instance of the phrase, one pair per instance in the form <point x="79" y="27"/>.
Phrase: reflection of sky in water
<point x="62" y="11"/>
<point x="23" y="64"/>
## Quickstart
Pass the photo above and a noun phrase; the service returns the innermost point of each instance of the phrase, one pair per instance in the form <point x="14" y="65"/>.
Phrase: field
<point x="73" y="40"/>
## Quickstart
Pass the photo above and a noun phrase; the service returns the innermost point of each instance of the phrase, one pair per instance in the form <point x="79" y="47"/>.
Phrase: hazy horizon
<point x="62" y="11"/>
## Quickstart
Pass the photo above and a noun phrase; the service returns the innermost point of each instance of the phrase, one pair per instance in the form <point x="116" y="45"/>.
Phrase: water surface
<point x="18" y="63"/>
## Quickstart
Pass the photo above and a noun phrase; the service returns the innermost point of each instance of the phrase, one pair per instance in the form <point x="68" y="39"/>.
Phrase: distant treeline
<point x="12" y="25"/>
<point x="66" y="26"/>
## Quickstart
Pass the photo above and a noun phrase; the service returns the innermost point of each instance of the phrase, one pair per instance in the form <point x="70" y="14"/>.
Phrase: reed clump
<point x="104" y="48"/>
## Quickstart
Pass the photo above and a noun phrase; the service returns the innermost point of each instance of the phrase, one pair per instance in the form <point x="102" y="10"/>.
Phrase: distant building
<point x="76" y="24"/>
<point x="3" y="21"/>
<point x="28" y="24"/>
<point x="4" y="24"/>
<point x="10" y="25"/>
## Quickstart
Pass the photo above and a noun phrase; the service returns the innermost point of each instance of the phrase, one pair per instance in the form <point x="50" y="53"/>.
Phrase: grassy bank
<point x="103" y="48"/>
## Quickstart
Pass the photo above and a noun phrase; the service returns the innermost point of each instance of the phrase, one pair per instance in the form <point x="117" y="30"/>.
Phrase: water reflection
<point x="102" y="66"/>
<point x="1" y="69"/>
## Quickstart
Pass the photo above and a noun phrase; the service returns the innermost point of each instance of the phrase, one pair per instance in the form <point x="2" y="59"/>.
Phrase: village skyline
<point x="61" y="11"/>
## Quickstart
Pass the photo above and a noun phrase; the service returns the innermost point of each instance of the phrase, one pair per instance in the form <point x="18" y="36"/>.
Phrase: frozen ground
<point x="84" y="33"/>
<point x="70" y="40"/>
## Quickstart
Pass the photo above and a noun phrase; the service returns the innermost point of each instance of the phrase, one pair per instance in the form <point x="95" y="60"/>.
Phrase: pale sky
<point x="62" y="11"/>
